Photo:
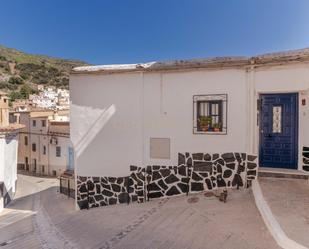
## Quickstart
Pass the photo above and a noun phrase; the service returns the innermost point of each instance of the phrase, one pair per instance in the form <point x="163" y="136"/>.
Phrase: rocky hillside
<point x="20" y="72"/>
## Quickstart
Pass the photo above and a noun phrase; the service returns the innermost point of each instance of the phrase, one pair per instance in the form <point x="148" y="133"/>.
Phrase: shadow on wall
<point x="10" y="137"/>
<point x="6" y="194"/>
<point x="94" y="120"/>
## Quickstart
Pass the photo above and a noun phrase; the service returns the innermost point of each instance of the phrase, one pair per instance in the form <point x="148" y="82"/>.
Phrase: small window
<point x="43" y="123"/>
<point x="43" y="169"/>
<point x="277" y="113"/>
<point x="210" y="112"/>
<point x="26" y="140"/>
<point x="58" y="151"/>
<point x="33" y="147"/>
<point x="34" y="123"/>
<point x="44" y="150"/>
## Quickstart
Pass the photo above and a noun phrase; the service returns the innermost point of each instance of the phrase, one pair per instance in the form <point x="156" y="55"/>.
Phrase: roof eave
<point x="270" y="59"/>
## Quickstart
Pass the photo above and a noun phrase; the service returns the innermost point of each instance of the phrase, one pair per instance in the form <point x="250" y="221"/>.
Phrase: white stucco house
<point x="8" y="153"/>
<point x="158" y="129"/>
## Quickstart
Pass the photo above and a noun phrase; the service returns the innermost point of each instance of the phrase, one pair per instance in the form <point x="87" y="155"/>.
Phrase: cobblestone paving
<point x="40" y="217"/>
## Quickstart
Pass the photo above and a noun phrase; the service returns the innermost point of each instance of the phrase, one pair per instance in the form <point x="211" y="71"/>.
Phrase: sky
<point x="134" y="31"/>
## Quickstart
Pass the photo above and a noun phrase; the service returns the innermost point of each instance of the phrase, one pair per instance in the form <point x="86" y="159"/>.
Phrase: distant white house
<point x="143" y="131"/>
<point x="51" y="98"/>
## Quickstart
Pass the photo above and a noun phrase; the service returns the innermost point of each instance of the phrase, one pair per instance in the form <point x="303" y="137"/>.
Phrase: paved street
<point x="288" y="200"/>
<point x="40" y="217"/>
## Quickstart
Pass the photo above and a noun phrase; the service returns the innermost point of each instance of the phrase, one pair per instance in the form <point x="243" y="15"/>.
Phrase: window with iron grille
<point x="210" y="114"/>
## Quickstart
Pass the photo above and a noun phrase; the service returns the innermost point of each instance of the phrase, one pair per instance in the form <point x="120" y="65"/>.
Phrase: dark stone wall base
<point x="306" y="158"/>
<point x="194" y="173"/>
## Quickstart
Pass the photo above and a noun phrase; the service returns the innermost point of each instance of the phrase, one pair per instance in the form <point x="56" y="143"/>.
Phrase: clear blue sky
<point x="128" y="31"/>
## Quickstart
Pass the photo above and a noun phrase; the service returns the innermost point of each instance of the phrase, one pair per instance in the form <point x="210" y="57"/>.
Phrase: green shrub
<point x="16" y="80"/>
<point x="25" y="91"/>
<point x="14" y="95"/>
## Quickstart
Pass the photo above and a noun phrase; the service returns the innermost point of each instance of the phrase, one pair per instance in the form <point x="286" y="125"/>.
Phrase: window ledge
<point x="210" y="132"/>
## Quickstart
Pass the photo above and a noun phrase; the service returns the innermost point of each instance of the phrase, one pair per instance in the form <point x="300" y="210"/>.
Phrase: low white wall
<point x="8" y="162"/>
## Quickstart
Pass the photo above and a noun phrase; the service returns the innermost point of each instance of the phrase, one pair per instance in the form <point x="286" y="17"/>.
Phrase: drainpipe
<point x="250" y="110"/>
<point x="30" y="144"/>
<point x="48" y="144"/>
<point x="143" y="129"/>
<point x="143" y="119"/>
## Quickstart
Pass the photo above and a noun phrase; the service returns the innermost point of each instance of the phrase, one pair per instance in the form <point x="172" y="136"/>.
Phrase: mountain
<point x="20" y="71"/>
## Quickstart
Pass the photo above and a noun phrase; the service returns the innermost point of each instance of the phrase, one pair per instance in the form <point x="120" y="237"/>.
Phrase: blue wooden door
<point x="279" y="130"/>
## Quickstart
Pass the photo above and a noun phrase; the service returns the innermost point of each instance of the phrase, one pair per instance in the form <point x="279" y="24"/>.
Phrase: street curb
<point x="269" y="219"/>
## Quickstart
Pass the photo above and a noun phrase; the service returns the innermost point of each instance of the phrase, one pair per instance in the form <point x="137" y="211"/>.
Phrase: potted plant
<point x="209" y="122"/>
<point x="202" y="121"/>
<point x="217" y="127"/>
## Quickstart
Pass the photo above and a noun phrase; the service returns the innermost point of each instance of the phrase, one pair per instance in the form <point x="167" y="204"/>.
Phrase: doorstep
<point x="282" y="173"/>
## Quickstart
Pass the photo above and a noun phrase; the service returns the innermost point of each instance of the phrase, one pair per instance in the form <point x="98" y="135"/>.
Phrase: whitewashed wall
<point x="114" y="116"/>
<point x="282" y="79"/>
<point x="107" y="131"/>
<point x="59" y="164"/>
<point x="168" y="111"/>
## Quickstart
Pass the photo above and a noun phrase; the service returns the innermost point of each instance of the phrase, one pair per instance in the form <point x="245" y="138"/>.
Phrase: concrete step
<point x="283" y="173"/>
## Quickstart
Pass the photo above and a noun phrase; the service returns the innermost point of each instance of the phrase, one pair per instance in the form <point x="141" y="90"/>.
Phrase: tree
<point x="25" y="91"/>
<point x="13" y="96"/>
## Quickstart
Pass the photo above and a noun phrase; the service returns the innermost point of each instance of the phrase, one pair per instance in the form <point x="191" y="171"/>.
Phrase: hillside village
<point x="154" y="124"/>
<point x="91" y="148"/>
<point x="37" y="101"/>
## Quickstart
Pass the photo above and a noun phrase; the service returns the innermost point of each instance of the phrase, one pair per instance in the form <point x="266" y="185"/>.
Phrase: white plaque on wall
<point x="160" y="148"/>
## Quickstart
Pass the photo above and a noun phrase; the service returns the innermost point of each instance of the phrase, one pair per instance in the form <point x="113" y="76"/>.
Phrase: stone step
<point x="283" y="173"/>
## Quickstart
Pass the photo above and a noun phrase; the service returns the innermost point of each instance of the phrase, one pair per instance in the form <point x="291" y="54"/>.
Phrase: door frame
<point x="297" y="128"/>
